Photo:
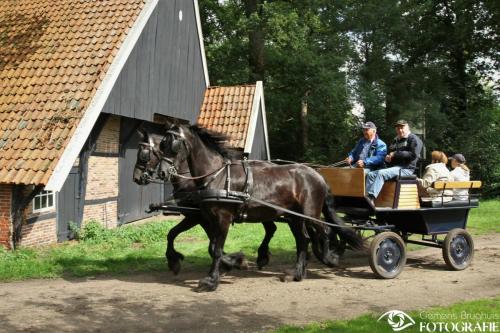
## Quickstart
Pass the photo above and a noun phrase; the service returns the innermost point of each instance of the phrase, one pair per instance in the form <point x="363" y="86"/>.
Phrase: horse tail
<point x="348" y="234"/>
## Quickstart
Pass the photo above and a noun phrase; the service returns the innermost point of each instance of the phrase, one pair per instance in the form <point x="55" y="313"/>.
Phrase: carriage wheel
<point x="458" y="249"/>
<point x="387" y="255"/>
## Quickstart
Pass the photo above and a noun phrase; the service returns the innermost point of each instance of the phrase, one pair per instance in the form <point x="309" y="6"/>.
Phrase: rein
<point x="216" y="171"/>
<point x="312" y="165"/>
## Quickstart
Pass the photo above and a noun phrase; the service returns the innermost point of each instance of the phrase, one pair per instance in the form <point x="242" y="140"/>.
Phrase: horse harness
<point x="240" y="198"/>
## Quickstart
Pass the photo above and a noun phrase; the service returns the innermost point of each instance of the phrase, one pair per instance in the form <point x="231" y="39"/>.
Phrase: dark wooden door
<point x="133" y="199"/>
<point x="68" y="205"/>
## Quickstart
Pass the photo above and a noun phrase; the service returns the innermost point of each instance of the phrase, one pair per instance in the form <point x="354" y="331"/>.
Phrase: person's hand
<point x="360" y="164"/>
<point x="348" y="160"/>
<point x="388" y="157"/>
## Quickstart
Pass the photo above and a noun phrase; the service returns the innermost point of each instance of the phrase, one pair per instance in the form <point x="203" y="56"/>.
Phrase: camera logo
<point x="398" y="320"/>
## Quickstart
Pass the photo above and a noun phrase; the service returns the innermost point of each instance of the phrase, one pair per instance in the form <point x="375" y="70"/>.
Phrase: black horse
<point x="294" y="187"/>
<point x="148" y="159"/>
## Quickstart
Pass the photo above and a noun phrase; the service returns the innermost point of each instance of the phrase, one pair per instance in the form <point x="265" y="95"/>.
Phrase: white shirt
<point x="457" y="175"/>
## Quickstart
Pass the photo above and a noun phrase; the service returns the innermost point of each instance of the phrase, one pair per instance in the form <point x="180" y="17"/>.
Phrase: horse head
<point x="148" y="157"/>
<point x="174" y="148"/>
<point x="199" y="148"/>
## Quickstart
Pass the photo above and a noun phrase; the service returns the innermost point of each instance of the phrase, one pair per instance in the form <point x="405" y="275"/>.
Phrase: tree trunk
<point x="256" y="41"/>
<point x="304" y="124"/>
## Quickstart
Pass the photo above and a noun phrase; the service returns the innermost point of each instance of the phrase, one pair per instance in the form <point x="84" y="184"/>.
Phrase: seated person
<point x="402" y="159"/>
<point x="459" y="173"/>
<point x="436" y="171"/>
<point x="370" y="151"/>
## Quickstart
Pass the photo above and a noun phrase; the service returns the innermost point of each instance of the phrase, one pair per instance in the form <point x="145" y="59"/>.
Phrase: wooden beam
<point x="441" y="185"/>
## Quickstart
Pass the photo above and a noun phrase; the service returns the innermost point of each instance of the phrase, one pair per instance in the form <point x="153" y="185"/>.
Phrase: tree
<point x="432" y="62"/>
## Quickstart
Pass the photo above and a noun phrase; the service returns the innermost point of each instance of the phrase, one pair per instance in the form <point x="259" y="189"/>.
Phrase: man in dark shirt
<point x="402" y="159"/>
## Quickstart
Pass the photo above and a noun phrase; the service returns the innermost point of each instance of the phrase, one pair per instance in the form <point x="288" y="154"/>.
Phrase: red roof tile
<point x="227" y="110"/>
<point x="53" y="55"/>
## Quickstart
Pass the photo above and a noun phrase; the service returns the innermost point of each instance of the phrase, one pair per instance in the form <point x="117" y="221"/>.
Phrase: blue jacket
<point x="376" y="153"/>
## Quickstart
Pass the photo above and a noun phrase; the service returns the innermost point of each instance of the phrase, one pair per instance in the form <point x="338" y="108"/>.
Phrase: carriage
<point x="399" y="213"/>
<point x="223" y="190"/>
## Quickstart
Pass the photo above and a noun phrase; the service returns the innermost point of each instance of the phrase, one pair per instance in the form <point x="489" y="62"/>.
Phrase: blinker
<point x="176" y="146"/>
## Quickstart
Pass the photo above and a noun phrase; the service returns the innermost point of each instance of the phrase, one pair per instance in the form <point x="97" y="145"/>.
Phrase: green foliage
<point x="74" y="230"/>
<point x="434" y="63"/>
<point x="94" y="231"/>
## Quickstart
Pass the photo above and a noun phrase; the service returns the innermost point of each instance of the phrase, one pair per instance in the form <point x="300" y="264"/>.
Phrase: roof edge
<point x="202" y="44"/>
<point x="258" y="99"/>
<point x="264" y="121"/>
<point x="80" y="135"/>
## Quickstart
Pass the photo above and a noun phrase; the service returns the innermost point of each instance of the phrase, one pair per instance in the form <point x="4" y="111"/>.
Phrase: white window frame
<point x="47" y="195"/>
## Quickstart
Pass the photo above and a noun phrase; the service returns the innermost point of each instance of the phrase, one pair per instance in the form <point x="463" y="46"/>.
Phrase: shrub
<point x="93" y="231"/>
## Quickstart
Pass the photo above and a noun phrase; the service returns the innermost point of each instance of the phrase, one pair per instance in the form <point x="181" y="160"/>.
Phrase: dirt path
<point x="246" y="301"/>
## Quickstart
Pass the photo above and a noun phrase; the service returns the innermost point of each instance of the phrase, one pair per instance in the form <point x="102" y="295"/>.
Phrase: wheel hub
<point x="460" y="249"/>
<point x="389" y="255"/>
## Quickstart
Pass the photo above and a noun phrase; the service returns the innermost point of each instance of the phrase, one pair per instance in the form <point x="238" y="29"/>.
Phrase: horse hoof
<point x="287" y="276"/>
<point x="174" y="266"/>
<point x="298" y="277"/>
<point x="293" y="275"/>
<point x="207" y="284"/>
<point x="262" y="261"/>
<point x="331" y="260"/>
<point x="297" y="274"/>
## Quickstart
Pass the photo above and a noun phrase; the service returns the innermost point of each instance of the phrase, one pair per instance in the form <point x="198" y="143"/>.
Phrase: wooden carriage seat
<point x="400" y="194"/>
<point x="350" y="183"/>
<point x="449" y="185"/>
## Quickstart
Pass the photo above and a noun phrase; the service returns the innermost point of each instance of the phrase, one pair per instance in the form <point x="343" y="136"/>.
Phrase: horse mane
<point x="215" y="141"/>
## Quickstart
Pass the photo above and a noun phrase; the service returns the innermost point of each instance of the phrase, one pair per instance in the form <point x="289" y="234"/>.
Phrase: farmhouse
<point x="77" y="78"/>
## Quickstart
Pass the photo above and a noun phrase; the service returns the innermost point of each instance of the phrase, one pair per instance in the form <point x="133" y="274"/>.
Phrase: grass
<point x="484" y="220"/>
<point x="141" y="248"/>
<point x="489" y="309"/>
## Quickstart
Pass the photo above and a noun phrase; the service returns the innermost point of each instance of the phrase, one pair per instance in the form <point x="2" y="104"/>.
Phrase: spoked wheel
<point x="387" y="255"/>
<point x="458" y="249"/>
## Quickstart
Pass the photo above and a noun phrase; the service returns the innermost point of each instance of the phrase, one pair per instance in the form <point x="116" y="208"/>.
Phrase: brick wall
<point x="101" y="201"/>
<point x="109" y="138"/>
<point x="39" y="233"/>
<point x="5" y="210"/>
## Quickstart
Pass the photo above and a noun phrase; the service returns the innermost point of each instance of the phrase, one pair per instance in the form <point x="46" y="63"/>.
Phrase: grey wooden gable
<point x="259" y="147"/>
<point x="164" y="73"/>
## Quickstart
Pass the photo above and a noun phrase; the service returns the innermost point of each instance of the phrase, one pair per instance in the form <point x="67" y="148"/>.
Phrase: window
<point x="43" y="201"/>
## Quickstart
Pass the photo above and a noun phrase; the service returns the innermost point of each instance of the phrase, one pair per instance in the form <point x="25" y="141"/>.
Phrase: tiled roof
<point x="53" y="56"/>
<point x="227" y="110"/>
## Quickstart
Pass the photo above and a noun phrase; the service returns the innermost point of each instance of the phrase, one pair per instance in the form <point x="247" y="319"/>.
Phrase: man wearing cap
<point x="402" y="159"/>
<point x="370" y="151"/>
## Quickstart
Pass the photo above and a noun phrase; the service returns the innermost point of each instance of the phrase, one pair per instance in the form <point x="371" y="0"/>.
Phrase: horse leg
<point x="297" y="226"/>
<point x="173" y="257"/>
<point x="316" y="243"/>
<point x="229" y="261"/>
<point x="322" y="235"/>
<point x="330" y="257"/>
<point x="221" y="227"/>
<point x="263" y="252"/>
